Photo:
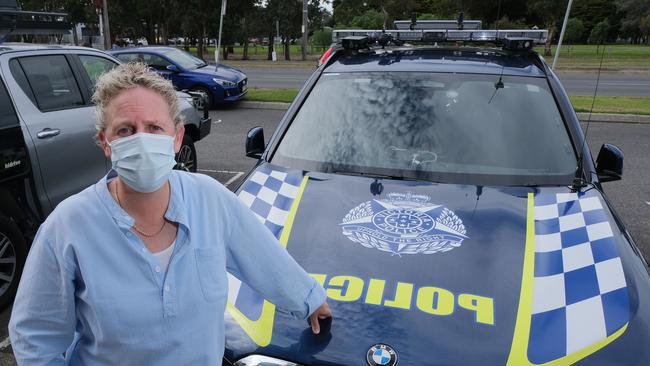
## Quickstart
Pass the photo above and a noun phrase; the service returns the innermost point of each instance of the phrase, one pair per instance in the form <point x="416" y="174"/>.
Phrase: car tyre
<point x="208" y="96"/>
<point x="13" y="252"/>
<point x="186" y="157"/>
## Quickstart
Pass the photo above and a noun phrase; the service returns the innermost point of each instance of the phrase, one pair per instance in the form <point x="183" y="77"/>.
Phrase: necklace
<point x="134" y="225"/>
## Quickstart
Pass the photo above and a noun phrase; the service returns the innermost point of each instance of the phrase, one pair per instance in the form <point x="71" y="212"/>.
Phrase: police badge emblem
<point x="404" y="224"/>
<point x="381" y="355"/>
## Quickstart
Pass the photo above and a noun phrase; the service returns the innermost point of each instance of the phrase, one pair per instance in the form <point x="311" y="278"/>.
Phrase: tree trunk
<point x="225" y="52"/>
<point x="199" y="47"/>
<point x="287" y="49"/>
<point x="547" y="46"/>
<point x="75" y="37"/>
<point x="270" y="54"/>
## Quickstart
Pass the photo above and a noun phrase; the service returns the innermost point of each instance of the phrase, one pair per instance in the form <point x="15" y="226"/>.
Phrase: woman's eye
<point x="124" y="131"/>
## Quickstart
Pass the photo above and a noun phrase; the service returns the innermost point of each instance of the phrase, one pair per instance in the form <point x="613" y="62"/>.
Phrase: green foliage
<point x="644" y="26"/>
<point x="575" y="29"/>
<point x="599" y="33"/>
<point x="322" y="38"/>
<point x="371" y="19"/>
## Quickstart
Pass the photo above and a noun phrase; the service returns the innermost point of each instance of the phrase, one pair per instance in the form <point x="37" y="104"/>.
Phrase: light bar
<point x="538" y="36"/>
<point x="437" y="24"/>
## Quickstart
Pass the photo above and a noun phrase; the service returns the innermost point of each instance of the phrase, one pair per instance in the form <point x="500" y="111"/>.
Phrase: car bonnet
<point x="441" y="273"/>
<point x="222" y="72"/>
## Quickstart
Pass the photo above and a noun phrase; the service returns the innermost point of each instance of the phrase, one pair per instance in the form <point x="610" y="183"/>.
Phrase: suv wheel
<point x="13" y="253"/>
<point x="186" y="157"/>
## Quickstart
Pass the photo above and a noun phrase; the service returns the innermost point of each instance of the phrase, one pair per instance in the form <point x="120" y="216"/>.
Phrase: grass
<point x="271" y="95"/>
<point x="616" y="56"/>
<point x="624" y="105"/>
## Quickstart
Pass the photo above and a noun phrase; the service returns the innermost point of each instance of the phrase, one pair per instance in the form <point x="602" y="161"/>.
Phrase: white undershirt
<point x="164" y="256"/>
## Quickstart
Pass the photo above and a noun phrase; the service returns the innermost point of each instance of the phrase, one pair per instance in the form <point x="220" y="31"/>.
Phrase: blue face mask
<point x="143" y="160"/>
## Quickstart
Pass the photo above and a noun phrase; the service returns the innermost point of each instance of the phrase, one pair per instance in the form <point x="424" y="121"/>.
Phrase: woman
<point x="132" y="270"/>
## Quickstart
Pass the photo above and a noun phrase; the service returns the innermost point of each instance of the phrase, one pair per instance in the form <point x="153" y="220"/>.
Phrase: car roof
<point x="438" y="59"/>
<point x="12" y="47"/>
<point x="160" y="49"/>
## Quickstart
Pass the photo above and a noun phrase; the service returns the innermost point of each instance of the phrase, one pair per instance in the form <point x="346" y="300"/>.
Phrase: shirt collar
<point x="175" y="211"/>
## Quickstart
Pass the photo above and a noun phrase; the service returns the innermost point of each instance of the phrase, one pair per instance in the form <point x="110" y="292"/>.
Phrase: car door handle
<point x="48" y="132"/>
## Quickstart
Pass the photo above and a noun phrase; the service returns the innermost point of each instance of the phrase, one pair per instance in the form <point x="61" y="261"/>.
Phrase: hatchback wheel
<point x="186" y="157"/>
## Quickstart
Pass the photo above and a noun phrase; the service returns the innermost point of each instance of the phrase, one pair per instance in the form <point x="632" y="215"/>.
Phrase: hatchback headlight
<point x="259" y="360"/>
<point x="224" y="82"/>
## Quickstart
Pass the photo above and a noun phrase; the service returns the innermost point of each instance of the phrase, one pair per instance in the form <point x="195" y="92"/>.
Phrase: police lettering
<point x="431" y="300"/>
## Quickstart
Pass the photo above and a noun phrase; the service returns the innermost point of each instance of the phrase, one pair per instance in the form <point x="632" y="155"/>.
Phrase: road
<point x="576" y="83"/>
<point x="221" y="155"/>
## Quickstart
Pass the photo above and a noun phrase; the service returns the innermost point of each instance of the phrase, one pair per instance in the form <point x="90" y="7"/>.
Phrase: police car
<point x="442" y="192"/>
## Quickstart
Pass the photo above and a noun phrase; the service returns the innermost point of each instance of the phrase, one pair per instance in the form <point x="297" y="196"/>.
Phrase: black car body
<point x="445" y="198"/>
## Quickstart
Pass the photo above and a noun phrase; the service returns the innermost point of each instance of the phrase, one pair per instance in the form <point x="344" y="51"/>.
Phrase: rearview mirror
<point x="173" y="68"/>
<point x="609" y="164"/>
<point x="255" y="142"/>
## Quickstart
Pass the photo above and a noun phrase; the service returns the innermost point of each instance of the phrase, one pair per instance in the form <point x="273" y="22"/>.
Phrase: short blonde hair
<point x="127" y="76"/>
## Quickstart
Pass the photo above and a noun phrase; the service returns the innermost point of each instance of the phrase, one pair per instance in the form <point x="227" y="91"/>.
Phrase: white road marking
<point x="218" y="171"/>
<point x="217" y="121"/>
<point x="5" y="343"/>
<point x="229" y="181"/>
<point x="234" y="178"/>
<point x="647" y="202"/>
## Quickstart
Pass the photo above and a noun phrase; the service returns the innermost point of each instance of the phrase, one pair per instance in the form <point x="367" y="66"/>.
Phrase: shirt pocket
<point x="211" y="269"/>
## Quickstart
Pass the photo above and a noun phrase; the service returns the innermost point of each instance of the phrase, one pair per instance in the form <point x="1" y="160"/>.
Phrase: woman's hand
<point x="323" y="312"/>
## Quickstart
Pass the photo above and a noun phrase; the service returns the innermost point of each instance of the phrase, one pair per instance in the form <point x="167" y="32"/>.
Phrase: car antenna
<point x="578" y="179"/>
<point x="499" y="84"/>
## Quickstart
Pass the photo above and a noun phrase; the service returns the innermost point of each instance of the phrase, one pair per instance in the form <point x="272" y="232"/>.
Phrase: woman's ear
<point x="101" y="137"/>
<point x="178" y="140"/>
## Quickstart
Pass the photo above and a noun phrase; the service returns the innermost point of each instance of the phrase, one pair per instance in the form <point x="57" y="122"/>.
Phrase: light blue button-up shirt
<point x="92" y="294"/>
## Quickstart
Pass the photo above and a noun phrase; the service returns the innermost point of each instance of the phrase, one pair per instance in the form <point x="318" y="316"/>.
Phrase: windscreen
<point x="184" y="59"/>
<point x="467" y="128"/>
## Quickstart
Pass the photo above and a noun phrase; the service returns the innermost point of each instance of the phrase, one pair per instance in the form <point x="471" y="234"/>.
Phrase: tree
<point x="634" y="12"/>
<point x="550" y="13"/>
<point x="644" y="27"/>
<point x="599" y="34"/>
<point x="575" y="29"/>
<point x="371" y="19"/>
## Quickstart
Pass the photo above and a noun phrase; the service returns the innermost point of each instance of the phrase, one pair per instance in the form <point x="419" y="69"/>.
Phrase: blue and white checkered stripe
<point x="580" y="295"/>
<point x="269" y="193"/>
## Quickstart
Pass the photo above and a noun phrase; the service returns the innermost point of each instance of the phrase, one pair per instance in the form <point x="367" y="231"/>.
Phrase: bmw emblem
<point x="381" y="355"/>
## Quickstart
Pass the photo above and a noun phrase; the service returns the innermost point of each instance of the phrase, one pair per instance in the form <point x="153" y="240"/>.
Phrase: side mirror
<point x="173" y="69"/>
<point x="609" y="164"/>
<point x="255" y="142"/>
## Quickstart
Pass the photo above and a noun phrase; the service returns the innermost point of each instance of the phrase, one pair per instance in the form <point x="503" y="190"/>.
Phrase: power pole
<point x="559" y="44"/>
<point x="305" y="31"/>
<point x="107" y="30"/>
<point x="218" y="50"/>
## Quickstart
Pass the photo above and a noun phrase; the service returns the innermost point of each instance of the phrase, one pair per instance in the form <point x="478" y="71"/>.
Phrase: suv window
<point x="456" y="128"/>
<point x="95" y="66"/>
<point x="8" y="116"/>
<point x="52" y="81"/>
<point x="156" y="62"/>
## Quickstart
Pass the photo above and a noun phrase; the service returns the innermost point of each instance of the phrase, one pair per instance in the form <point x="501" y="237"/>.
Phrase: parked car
<point x="221" y="84"/>
<point x="47" y="151"/>
<point x="446" y="199"/>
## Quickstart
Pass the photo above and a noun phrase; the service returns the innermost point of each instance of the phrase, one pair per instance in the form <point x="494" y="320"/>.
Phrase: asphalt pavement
<point x="576" y="83"/>
<point x="221" y="155"/>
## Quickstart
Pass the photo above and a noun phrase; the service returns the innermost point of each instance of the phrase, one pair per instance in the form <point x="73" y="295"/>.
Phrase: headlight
<point x="224" y="82"/>
<point x="258" y="360"/>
